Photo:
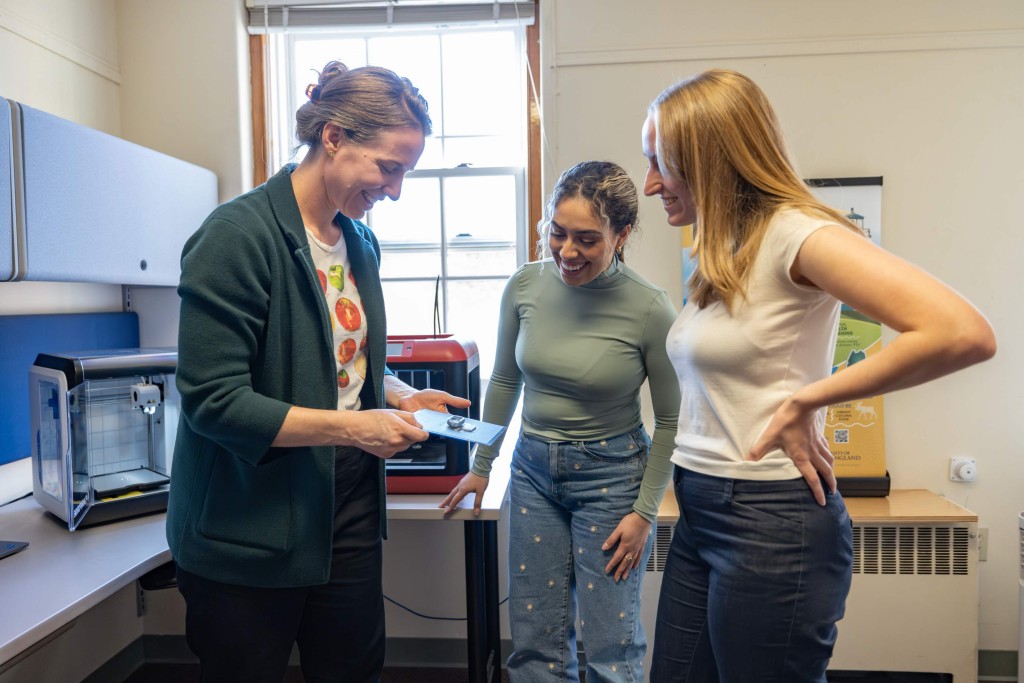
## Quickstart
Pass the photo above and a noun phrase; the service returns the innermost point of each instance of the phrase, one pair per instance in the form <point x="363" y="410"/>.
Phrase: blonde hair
<point x="606" y="187"/>
<point x="718" y="134"/>
<point x="363" y="102"/>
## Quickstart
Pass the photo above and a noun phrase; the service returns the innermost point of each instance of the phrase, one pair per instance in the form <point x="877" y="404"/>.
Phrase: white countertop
<point x="62" y="574"/>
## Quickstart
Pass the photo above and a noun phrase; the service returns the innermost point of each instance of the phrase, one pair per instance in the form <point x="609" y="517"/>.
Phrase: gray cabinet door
<point x="8" y="221"/>
<point x="101" y="209"/>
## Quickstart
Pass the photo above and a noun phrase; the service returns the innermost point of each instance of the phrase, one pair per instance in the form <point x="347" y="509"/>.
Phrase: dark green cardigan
<point x="254" y="340"/>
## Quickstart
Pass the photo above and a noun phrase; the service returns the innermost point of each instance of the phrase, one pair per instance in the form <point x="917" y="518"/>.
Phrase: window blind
<point x="275" y="16"/>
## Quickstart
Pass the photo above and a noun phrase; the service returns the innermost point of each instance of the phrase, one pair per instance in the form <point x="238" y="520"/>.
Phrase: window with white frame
<point x="460" y="227"/>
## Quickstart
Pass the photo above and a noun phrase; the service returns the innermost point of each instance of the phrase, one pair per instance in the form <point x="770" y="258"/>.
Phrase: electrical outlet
<point x="963" y="469"/>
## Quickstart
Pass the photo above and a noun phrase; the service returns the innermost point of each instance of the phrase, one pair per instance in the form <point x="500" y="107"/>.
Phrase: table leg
<point x="482" y="627"/>
<point x="492" y="599"/>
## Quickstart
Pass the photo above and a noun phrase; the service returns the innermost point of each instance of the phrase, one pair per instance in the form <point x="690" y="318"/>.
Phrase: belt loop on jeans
<point x="727" y="490"/>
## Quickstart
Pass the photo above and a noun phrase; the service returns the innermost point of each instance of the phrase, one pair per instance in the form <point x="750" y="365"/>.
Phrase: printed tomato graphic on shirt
<point x="323" y="280"/>
<point x="348" y="314"/>
<point x="342" y="379"/>
<point x="346" y="350"/>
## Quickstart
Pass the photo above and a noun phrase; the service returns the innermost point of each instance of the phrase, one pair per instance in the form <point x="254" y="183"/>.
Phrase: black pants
<point x="246" y="634"/>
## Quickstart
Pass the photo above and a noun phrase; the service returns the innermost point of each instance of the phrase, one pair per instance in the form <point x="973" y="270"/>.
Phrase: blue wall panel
<point x="23" y="337"/>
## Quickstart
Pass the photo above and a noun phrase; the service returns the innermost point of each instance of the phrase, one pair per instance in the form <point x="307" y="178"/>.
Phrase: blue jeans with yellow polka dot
<point x="567" y="497"/>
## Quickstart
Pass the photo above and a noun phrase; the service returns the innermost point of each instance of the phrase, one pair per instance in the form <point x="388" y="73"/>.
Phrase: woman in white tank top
<point x="760" y="563"/>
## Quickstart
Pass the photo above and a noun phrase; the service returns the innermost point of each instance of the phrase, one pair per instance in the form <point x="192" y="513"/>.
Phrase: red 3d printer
<point x="444" y="362"/>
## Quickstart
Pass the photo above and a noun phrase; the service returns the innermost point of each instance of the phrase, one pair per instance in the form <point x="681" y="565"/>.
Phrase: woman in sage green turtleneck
<point x="579" y="334"/>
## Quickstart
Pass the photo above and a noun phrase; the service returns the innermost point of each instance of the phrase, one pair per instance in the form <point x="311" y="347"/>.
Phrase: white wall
<point x="928" y="95"/>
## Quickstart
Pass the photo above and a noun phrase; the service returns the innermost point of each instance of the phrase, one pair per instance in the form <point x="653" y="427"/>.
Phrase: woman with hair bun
<point x="578" y="334"/>
<point x="276" y="504"/>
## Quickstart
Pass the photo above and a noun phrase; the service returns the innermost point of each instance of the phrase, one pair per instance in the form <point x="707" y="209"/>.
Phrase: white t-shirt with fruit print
<point x="348" y="322"/>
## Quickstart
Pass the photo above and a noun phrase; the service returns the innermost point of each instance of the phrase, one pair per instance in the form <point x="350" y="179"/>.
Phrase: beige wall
<point x="185" y="84"/>
<point x="928" y="95"/>
<point x="60" y="56"/>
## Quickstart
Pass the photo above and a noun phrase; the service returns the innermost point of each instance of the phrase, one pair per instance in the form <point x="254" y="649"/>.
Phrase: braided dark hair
<point x="608" y="189"/>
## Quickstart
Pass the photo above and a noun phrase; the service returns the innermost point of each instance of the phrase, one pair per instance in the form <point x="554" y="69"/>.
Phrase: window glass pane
<point x="488" y="61"/>
<point x="410" y="263"/>
<point x="469" y="261"/>
<point x="311" y="54"/>
<point x="418" y="58"/>
<point x="410" y="307"/>
<point x="480" y="208"/>
<point x="481" y="150"/>
<point x="473" y="312"/>
<point x="415" y="217"/>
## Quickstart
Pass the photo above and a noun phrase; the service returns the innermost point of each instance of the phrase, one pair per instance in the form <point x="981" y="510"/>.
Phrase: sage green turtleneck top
<point x="582" y="354"/>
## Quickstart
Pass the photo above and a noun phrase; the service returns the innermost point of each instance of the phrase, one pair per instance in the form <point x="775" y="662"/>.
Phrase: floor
<point x="189" y="673"/>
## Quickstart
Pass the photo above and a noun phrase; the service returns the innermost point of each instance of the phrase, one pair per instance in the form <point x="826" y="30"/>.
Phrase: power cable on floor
<point x="427" y="616"/>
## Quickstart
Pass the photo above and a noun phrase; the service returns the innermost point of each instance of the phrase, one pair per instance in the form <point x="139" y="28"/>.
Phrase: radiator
<point x="913" y="604"/>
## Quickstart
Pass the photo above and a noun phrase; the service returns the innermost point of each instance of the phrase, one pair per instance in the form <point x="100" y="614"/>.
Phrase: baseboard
<point x="993" y="665"/>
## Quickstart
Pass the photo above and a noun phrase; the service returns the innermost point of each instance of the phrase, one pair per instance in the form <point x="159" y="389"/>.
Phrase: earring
<point x="330" y="154"/>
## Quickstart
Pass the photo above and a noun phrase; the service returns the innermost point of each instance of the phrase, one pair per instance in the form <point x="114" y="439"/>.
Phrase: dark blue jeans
<point x="755" y="581"/>
<point x="246" y="634"/>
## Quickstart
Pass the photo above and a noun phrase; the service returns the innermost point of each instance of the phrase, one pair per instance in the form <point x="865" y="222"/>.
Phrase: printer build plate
<point x="117" y="483"/>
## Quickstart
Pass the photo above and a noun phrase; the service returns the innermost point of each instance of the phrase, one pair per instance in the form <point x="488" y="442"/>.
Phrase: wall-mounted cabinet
<point x="84" y="206"/>
<point x="8" y="245"/>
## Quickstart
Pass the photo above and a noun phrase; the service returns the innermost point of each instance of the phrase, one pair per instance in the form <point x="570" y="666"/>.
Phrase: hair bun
<point x="331" y="70"/>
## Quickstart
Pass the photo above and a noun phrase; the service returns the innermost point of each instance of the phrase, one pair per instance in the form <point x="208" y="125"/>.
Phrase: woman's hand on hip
<point x="384" y="432"/>
<point x="631" y="537"/>
<point x="798" y="432"/>
<point x="471" y="483"/>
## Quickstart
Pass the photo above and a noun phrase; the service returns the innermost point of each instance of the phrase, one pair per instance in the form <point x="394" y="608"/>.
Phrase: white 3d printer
<point x="103" y="428"/>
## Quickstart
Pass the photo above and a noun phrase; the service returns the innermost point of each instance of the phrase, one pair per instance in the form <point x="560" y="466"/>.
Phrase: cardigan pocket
<point x="248" y="506"/>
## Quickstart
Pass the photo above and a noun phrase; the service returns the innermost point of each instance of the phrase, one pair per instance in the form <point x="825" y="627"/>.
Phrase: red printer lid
<point x="429" y="348"/>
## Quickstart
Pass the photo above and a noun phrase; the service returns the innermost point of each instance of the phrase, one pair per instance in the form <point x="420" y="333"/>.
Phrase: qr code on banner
<point x="841" y="436"/>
